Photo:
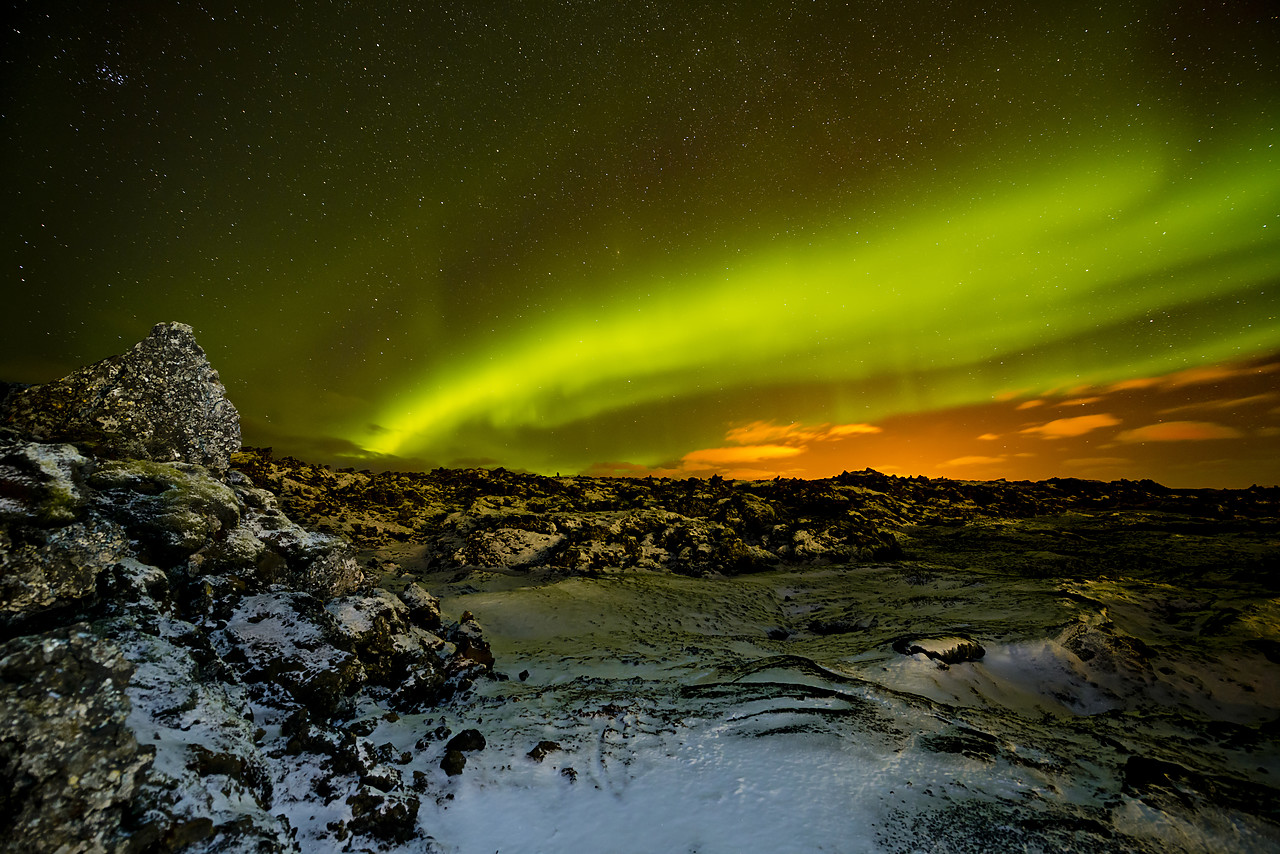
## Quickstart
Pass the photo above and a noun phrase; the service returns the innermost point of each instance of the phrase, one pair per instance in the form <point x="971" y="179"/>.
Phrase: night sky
<point x="972" y="240"/>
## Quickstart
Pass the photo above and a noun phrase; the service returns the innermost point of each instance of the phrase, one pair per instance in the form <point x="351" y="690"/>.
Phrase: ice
<point x="684" y="726"/>
<point x="778" y="712"/>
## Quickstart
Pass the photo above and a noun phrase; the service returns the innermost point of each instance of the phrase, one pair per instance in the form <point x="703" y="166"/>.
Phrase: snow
<point x="688" y="729"/>
<point x="687" y="723"/>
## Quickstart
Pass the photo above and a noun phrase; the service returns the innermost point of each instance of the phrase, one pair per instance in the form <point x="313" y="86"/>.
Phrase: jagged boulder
<point x="70" y="766"/>
<point x="161" y="400"/>
<point x="47" y="573"/>
<point x="396" y="654"/>
<point x="209" y="783"/>
<point x="513" y="547"/>
<point x="40" y="484"/>
<point x="424" y="609"/>
<point x="283" y="644"/>
<point x="213" y="677"/>
<point x="319" y="563"/>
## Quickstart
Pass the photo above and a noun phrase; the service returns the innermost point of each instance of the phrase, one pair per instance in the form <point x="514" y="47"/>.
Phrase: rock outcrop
<point x="176" y="653"/>
<point x="70" y="765"/>
<point x="160" y="401"/>
<point x="458" y="520"/>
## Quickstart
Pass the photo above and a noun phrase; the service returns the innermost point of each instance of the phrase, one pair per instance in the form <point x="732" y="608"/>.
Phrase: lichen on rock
<point x="161" y="400"/>
<point x="169" y="670"/>
<point x="70" y="766"/>
<point x="173" y="508"/>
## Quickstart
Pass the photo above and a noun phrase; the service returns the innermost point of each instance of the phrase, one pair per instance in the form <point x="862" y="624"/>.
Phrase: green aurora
<point x="1051" y="282"/>
<point x="603" y="236"/>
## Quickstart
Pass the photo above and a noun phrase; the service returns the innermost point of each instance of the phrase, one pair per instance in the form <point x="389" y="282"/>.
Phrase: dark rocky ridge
<point x="173" y="647"/>
<point x="471" y="519"/>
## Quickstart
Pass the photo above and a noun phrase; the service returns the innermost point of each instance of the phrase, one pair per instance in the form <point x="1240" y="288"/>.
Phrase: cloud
<point x="1214" y="374"/>
<point x="836" y="431"/>
<point x="1064" y="428"/>
<point x="1030" y="404"/>
<point x="989" y="437"/>
<point x="741" y="454"/>
<point x="1196" y="376"/>
<point x="975" y="460"/>
<point x="1179" y="431"/>
<point x="1134" y="384"/>
<point x="758" y="432"/>
<point x="1080" y="401"/>
<point x="1226" y="403"/>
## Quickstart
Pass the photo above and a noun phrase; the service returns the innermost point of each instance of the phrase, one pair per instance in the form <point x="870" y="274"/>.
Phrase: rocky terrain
<point x="208" y="648"/>
<point x="474" y="519"/>
<point x="182" y="666"/>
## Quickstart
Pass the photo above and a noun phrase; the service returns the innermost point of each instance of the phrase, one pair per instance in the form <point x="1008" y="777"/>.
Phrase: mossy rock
<point x="171" y="508"/>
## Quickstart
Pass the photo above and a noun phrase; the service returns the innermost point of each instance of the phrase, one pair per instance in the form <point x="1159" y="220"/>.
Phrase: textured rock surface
<point x="285" y="642"/>
<point x="217" y="644"/>
<point x="162" y="401"/>
<point x="172" y="509"/>
<point x="70" y="767"/>
<point x="478" y="519"/>
<point x="400" y="652"/>
<point x="321" y="563"/>
<point x="170" y="676"/>
<point x="47" y="573"/>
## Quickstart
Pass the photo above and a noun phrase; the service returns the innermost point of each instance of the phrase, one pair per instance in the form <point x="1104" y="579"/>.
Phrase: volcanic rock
<point x="70" y="766"/>
<point x="284" y="644"/>
<point x="397" y="655"/>
<point x="454" y="762"/>
<point x="160" y="401"/>
<point x="318" y="562"/>
<point x="543" y="749"/>
<point x="171" y="509"/>
<point x="175" y="651"/>
<point x="467" y="740"/>
<point x="455" y="751"/>
<point x="52" y="573"/>
<point x="424" y="609"/>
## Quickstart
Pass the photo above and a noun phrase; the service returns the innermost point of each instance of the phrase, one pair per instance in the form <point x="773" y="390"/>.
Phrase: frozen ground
<point x="771" y="712"/>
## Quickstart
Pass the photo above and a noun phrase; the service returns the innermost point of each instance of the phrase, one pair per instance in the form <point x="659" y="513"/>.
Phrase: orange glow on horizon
<point x="1123" y="436"/>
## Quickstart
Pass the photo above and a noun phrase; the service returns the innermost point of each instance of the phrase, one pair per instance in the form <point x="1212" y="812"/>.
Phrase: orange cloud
<point x="1065" y="428"/>
<point x="989" y="437"/>
<point x="1135" y="383"/>
<point x="974" y="460"/>
<point x="1030" y="404"/>
<point x="1196" y="376"/>
<point x="1080" y="401"/>
<point x="1210" y="374"/>
<point x="1228" y="403"/>
<point x="1179" y="431"/>
<point x="741" y="454"/>
<point x="758" y="432"/>
<point x="856" y="429"/>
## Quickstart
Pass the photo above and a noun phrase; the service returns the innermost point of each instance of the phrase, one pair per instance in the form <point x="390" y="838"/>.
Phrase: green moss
<point x="173" y="506"/>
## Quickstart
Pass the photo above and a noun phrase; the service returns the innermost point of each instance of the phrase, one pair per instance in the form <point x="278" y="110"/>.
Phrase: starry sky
<point x="960" y="239"/>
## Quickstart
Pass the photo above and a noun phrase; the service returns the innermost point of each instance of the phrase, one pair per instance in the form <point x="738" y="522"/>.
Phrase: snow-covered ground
<point x="772" y="713"/>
